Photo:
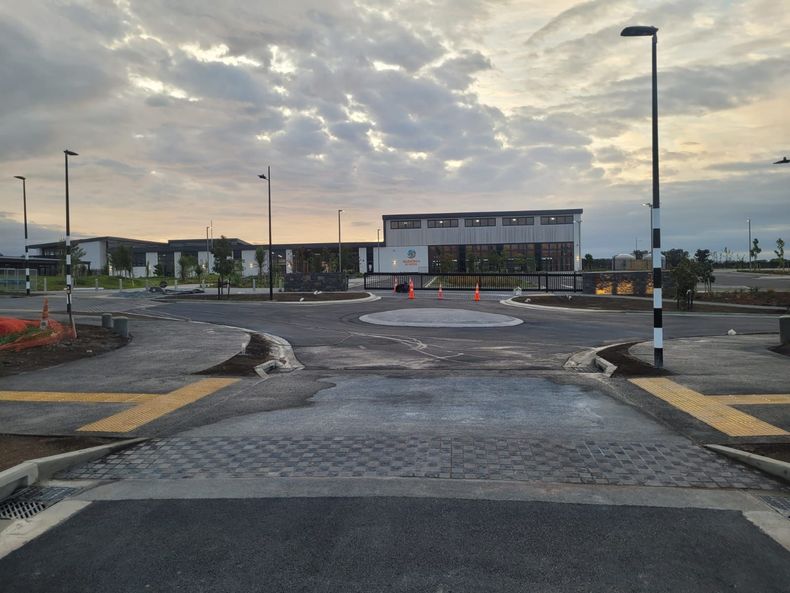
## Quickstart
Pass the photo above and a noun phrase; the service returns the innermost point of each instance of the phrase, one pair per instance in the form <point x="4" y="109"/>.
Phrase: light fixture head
<point x="19" y="177"/>
<point x="782" y="162"/>
<point x="638" y="31"/>
<point x="262" y="176"/>
<point x="70" y="153"/>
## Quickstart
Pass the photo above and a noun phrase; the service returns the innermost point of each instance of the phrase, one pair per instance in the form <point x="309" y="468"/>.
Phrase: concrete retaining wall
<point x="325" y="282"/>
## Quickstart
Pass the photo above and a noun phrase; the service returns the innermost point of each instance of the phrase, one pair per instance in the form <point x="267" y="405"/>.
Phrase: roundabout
<point x="435" y="317"/>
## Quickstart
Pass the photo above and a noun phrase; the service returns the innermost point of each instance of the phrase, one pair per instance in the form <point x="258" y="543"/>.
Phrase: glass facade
<point x="508" y="258"/>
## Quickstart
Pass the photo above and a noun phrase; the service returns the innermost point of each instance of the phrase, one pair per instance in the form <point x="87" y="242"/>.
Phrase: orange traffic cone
<point x="477" y="291"/>
<point x="45" y="315"/>
<point x="411" y="289"/>
<point x="441" y="294"/>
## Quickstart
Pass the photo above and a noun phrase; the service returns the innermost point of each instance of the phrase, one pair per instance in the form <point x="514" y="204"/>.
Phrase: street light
<point x="268" y="179"/>
<point x="67" y="154"/>
<point x="749" y="222"/>
<point x="208" y="252"/>
<point x="378" y="252"/>
<point x="339" y="246"/>
<point x="27" y="256"/>
<point x="579" y="245"/>
<point x="658" y="321"/>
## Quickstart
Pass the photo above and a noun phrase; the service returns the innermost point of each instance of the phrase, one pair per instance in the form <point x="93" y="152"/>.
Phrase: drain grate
<point x="780" y="504"/>
<point x="31" y="501"/>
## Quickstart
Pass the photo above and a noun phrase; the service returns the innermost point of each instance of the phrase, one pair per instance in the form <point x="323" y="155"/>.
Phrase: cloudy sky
<point x="389" y="106"/>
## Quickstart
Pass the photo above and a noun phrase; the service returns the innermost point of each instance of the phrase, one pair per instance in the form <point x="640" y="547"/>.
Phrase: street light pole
<point x="268" y="178"/>
<point x="378" y="252"/>
<point x="339" y="246"/>
<point x="658" y="321"/>
<point x="24" y="211"/>
<point x="67" y="154"/>
<point x="208" y="251"/>
<point x="749" y="221"/>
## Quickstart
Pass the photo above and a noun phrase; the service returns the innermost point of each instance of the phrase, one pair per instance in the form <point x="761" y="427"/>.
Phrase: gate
<point x="529" y="282"/>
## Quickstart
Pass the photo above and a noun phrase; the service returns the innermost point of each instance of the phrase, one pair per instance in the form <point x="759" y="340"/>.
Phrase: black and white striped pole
<point x="67" y="154"/>
<point x="658" y="321"/>
<point x="24" y="211"/>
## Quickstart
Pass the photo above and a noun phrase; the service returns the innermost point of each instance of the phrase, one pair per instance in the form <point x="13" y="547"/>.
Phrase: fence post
<point x="547" y="281"/>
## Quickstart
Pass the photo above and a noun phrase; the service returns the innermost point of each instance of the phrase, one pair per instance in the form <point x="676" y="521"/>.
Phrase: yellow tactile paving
<point x="69" y="397"/>
<point x="752" y="400"/>
<point x="709" y="410"/>
<point x="159" y="406"/>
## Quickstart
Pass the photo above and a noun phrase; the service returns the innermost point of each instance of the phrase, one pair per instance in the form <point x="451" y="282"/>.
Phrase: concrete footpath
<point x="150" y="377"/>
<point x="720" y="389"/>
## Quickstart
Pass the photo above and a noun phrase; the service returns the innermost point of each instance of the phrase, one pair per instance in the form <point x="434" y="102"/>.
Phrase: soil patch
<point x="769" y="298"/>
<point x="15" y="449"/>
<point x="91" y="340"/>
<point x="779" y="451"/>
<point x="280" y="297"/>
<point x="627" y="365"/>
<point x="614" y="303"/>
<point x="242" y="365"/>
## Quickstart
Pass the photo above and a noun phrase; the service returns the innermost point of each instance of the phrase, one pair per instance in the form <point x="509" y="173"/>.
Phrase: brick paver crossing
<point x="587" y="462"/>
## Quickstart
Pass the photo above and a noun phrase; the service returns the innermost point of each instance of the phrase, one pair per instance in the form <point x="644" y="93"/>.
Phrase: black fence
<point x="533" y="282"/>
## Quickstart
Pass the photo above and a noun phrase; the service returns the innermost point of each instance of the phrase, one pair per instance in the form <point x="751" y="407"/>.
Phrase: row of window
<point x="445" y="223"/>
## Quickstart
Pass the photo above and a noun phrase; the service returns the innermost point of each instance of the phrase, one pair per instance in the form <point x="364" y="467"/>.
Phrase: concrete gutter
<point x="775" y="467"/>
<point x="29" y="472"/>
<point x="590" y="358"/>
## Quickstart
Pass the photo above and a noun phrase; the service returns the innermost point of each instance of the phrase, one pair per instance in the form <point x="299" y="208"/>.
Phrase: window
<point x="405" y="224"/>
<point x="518" y="220"/>
<point x="564" y="219"/>
<point x="443" y="223"/>
<point x="480" y="221"/>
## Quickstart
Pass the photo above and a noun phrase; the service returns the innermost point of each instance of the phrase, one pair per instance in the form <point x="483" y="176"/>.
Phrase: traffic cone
<point x="45" y="315"/>
<point x="477" y="291"/>
<point x="411" y="289"/>
<point x="441" y="294"/>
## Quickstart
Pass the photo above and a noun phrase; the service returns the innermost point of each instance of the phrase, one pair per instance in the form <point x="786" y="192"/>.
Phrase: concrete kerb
<point x="775" y="467"/>
<point x="29" y="472"/>
<point x="589" y="358"/>
<point x="368" y="299"/>
<point x="511" y="303"/>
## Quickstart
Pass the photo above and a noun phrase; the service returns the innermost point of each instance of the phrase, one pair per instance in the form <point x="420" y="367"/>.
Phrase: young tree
<point x="780" y="252"/>
<point x="588" y="261"/>
<point x="121" y="259"/>
<point x="223" y="262"/>
<point x="188" y="265"/>
<point x="675" y="256"/>
<point x="704" y="267"/>
<point x="685" y="275"/>
<point x="727" y="257"/>
<point x="755" y="250"/>
<point x="260" y="259"/>
<point x="159" y="270"/>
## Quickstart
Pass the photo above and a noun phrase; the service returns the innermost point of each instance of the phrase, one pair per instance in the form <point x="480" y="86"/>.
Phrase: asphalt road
<point x="408" y="459"/>
<point x="726" y="280"/>
<point x="396" y="544"/>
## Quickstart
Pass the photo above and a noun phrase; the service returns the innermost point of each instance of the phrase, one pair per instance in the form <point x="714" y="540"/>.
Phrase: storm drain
<point x="31" y="501"/>
<point x="780" y="504"/>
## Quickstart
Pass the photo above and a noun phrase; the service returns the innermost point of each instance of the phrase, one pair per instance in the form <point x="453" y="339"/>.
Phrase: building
<point x="478" y="242"/>
<point x="147" y="255"/>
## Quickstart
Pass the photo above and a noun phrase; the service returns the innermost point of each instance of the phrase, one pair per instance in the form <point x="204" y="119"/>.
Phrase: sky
<point x="393" y="106"/>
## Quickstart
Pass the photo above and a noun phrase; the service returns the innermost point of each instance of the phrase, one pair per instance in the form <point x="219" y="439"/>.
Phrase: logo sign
<point x="411" y="254"/>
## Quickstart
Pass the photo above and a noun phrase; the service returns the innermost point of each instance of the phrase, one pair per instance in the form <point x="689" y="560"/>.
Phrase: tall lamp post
<point x="268" y="178"/>
<point x="749" y="223"/>
<point x="339" y="246"/>
<point x="579" y="244"/>
<point x="378" y="252"/>
<point x="67" y="154"/>
<point x="658" y="322"/>
<point x="27" y="256"/>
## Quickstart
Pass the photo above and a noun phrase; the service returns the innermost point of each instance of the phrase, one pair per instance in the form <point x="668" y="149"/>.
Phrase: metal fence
<point x="533" y="282"/>
<point x="13" y="280"/>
